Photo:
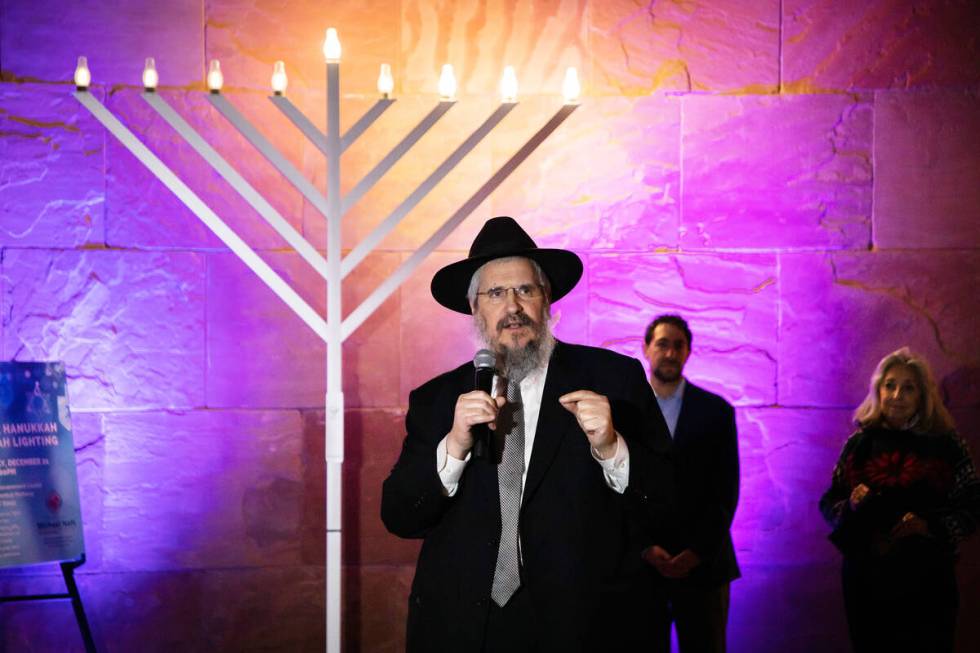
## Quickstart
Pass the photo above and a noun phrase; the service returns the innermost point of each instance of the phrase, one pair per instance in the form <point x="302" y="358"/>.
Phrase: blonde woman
<point x="903" y="493"/>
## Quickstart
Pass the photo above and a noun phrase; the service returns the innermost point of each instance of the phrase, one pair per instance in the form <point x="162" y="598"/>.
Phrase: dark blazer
<point x="581" y="557"/>
<point x="706" y="475"/>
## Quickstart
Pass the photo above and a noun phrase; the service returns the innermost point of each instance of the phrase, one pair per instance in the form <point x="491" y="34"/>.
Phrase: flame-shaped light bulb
<point x="83" y="77"/>
<point x="571" y="88"/>
<point x="447" y="83"/>
<point x="508" y="85"/>
<point x="279" y="79"/>
<point x="386" y="83"/>
<point x="331" y="46"/>
<point x="215" y="79"/>
<point x="150" y="76"/>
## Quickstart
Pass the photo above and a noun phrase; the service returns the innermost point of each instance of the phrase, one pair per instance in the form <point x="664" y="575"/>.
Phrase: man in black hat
<point x="530" y="548"/>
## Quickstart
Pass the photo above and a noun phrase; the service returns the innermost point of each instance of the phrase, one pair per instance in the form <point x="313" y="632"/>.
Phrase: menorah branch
<point x="237" y="182"/>
<point x="204" y="213"/>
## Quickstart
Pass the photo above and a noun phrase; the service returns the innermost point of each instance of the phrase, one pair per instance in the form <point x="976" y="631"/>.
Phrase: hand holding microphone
<point x="485" y="363"/>
<point x="475" y="411"/>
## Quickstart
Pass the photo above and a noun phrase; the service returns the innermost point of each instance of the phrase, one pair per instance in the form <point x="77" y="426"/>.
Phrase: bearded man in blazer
<point x="693" y="556"/>
<point x="543" y="556"/>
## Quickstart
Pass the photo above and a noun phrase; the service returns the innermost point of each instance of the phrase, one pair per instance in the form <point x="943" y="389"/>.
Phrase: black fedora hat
<point x="501" y="237"/>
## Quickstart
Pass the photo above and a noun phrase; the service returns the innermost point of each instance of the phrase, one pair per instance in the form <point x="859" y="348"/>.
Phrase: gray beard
<point x="515" y="363"/>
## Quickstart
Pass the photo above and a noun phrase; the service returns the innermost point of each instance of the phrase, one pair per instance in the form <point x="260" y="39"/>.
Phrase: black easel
<point x="68" y="568"/>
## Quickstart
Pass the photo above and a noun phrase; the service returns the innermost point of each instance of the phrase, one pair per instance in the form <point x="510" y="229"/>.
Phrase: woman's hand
<point x="910" y="524"/>
<point x="858" y="495"/>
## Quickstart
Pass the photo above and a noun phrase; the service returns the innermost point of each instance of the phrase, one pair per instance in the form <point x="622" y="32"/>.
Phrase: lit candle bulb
<point x="386" y="83"/>
<point x="508" y="85"/>
<point x="447" y="83"/>
<point x="215" y="79"/>
<point x="279" y="79"/>
<point x="331" y="46"/>
<point x="83" y="77"/>
<point x="150" y="76"/>
<point x="571" y="88"/>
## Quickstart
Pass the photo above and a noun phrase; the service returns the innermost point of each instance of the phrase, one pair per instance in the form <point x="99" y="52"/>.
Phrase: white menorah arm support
<point x="237" y="182"/>
<point x="269" y="151"/>
<point x="317" y="137"/>
<point x="389" y="285"/>
<point x="365" y="121"/>
<point x="377" y="234"/>
<point x="396" y="153"/>
<point x="204" y="213"/>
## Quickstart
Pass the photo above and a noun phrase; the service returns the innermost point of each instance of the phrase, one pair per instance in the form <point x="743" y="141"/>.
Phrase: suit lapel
<point x="554" y="421"/>
<point x="689" y="407"/>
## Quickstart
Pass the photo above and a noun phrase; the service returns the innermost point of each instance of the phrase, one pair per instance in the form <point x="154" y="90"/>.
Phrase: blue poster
<point x="40" y="514"/>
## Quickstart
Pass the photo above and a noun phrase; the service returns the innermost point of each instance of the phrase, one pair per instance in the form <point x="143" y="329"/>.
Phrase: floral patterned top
<point x="931" y="475"/>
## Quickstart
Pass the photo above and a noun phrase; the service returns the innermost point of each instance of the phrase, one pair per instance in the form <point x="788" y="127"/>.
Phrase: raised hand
<point x="594" y="417"/>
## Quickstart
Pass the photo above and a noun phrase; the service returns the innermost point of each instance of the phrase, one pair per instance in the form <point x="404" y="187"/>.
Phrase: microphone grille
<point x="485" y="358"/>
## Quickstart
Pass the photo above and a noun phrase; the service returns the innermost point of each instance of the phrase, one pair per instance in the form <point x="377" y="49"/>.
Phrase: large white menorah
<point x="332" y="206"/>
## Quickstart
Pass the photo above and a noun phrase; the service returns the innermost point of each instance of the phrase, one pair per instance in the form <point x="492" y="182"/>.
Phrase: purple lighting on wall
<point x="801" y="184"/>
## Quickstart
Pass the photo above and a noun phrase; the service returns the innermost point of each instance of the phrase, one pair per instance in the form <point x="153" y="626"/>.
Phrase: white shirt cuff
<point x="616" y="469"/>
<point x="450" y="469"/>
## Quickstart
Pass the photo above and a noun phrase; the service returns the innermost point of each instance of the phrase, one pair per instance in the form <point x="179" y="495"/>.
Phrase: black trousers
<point x="901" y="607"/>
<point x="511" y="628"/>
<point x="619" y="622"/>
<point x="699" y="614"/>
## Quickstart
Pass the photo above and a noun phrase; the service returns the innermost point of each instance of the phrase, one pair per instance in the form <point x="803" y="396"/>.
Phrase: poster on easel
<point x="40" y="511"/>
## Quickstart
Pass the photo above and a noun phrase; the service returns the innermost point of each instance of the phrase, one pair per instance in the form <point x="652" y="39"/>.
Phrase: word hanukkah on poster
<point x="40" y="515"/>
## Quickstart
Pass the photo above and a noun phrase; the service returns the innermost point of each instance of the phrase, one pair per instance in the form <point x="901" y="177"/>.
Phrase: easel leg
<point x="68" y="571"/>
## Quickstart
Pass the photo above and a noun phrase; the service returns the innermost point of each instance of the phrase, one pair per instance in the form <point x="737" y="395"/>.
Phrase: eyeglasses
<point x="525" y="292"/>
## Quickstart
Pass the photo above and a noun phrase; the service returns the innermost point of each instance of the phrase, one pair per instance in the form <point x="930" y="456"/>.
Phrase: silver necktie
<point x="509" y="439"/>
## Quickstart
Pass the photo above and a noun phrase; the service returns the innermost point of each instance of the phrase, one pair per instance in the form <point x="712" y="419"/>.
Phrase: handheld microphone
<point x="485" y="363"/>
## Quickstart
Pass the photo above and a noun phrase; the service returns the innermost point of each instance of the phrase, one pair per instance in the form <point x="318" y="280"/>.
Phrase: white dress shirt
<point x="616" y="469"/>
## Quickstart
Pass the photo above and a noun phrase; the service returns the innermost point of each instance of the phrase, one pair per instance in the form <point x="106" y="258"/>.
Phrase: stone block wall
<point x="799" y="178"/>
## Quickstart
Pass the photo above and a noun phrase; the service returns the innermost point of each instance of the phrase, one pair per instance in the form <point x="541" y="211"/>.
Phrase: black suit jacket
<point x="580" y="553"/>
<point x="706" y="474"/>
